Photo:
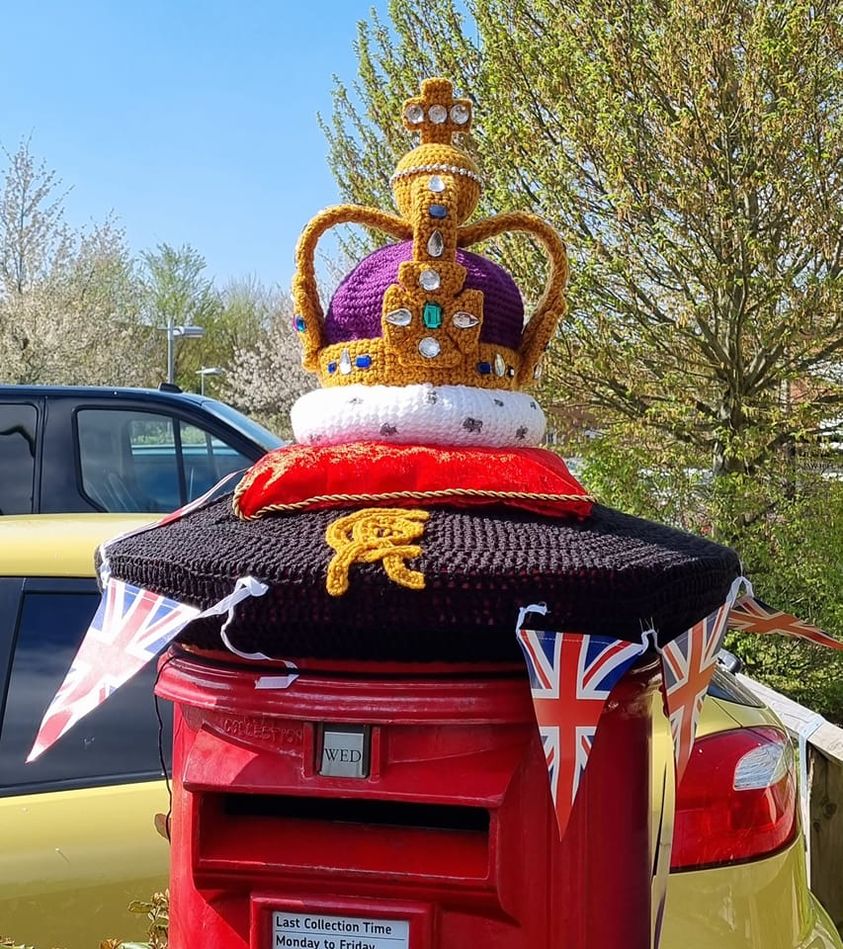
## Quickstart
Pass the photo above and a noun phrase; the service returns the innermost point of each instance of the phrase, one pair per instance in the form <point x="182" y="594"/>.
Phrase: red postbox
<point x="396" y="810"/>
<point x="389" y="806"/>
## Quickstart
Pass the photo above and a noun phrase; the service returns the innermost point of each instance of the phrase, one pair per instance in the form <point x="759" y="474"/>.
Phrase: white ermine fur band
<point x="418" y="415"/>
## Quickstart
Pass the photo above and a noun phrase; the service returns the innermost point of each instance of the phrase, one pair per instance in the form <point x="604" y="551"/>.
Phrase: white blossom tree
<point x="265" y="378"/>
<point x="69" y="300"/>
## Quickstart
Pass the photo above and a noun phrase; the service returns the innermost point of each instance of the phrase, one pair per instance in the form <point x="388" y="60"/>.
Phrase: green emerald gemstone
<point x="432" y="316"/>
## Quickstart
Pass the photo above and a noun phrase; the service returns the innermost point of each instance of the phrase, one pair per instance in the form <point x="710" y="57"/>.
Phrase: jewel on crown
<point x="425" y="310"/>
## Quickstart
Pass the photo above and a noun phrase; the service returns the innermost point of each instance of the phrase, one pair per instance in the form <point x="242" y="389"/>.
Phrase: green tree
<point x="692" y="157"/>
<point x="234" y="325"/>
<point x="178" y="293"/>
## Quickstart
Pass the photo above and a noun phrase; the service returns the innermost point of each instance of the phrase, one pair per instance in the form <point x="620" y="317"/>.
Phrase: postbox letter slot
<point x="288" y="833"/>
<point x="359" y="811"/>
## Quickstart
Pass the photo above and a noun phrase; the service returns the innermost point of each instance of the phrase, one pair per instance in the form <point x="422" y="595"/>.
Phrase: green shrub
<point x="786" y="523"/>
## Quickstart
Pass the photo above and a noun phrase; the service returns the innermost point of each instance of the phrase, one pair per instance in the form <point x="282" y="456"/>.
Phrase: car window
<point x="206" y="459"/>
<point x="17" y="457"/>
<point x="242" y="423"/>
<point x="154" y="463"/>
<point x="128" y="460"/>
<point x="142" y="461"/>
<point x="117" y="741"/>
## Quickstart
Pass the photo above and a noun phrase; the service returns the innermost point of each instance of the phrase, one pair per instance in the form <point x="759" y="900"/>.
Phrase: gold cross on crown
<point x="436" y="114"/>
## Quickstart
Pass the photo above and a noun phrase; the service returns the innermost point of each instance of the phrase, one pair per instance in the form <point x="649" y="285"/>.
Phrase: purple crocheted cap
<point x="355" y="309"/>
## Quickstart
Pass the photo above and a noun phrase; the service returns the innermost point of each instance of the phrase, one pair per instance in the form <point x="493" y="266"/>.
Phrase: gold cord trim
<point x="406" y="495"/>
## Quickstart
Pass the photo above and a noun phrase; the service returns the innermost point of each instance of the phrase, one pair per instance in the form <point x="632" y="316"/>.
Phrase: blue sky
<point x="193" y="120"/>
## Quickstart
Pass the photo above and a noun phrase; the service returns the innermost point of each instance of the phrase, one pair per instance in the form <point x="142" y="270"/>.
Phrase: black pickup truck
<point x="66" y="449"/>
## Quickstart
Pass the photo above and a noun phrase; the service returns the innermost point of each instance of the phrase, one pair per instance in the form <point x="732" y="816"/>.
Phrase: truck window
<point x="18" y="423"/>
<point x="116" y="742"/>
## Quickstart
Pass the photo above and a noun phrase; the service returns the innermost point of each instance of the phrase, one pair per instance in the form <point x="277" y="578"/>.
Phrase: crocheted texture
<point x="409" y="166"/>
<point x="305" y="289"/>
<point x="436" y="149"/>
<point x="437" y="95"/>
<point x="366" y="536"/>
<point x="551" y="308"/>
<point x="411" y="313"/>
<point x="609" y="574"/>
<point x="447" y="161"/>
<point x="300" y="477"/>
<point x="418" y="415"/>
<point x="366" y="361"/>
<point x="355" y="310"/>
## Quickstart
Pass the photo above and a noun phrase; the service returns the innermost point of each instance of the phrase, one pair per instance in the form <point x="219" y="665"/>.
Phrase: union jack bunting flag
<point x="129" y="629"/>
<point x="571" y="676"/>
<point x="687" y="666"/>
<point x="751" y="615"/>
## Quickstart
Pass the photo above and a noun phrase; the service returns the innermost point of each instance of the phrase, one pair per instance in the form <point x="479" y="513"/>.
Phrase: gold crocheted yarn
<point x="385" y="534"/>
<point x="431" y="323"/>
<point x="457" y="171"/>
<point x="436" y="114"/>
<point x="407" y="365"/>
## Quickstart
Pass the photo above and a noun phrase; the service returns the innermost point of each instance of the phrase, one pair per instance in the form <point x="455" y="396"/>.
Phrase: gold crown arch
<point x="431" y="325"/>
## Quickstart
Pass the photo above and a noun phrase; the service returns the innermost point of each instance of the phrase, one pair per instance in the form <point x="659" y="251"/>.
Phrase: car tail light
<point x="737" y="800"/>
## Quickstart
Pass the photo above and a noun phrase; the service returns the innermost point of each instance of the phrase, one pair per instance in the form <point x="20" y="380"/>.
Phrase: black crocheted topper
<point x="611" y="574"/>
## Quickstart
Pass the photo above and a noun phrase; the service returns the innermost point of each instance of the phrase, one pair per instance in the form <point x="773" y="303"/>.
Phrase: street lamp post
<point x="207" y="371"/>
<point x="170" y="351"/>
<point x="186" y="332"/>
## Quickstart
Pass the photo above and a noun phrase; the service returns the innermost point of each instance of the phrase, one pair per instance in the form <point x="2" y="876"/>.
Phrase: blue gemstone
<point x="363" y="362"/>
<point x="300" y="324"/>
<point x="332" y="367"/>
<point x="438" y="210"/>
<point x="484" y="368"/>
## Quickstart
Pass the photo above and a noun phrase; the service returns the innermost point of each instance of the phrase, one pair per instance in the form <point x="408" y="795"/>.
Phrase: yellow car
<point x="77" y="839"/>
<point x="77" y="835"/>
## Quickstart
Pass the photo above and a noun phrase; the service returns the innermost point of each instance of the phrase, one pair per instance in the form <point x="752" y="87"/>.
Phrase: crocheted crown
<point x="425" y="310"/>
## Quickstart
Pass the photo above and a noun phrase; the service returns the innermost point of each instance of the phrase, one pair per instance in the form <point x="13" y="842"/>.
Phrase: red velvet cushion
<point x="307" y="477"/>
